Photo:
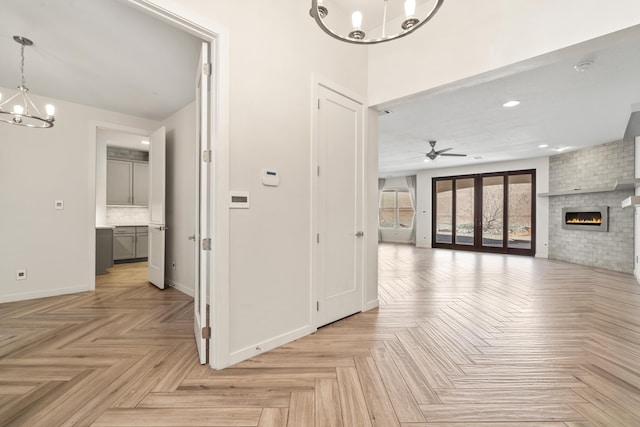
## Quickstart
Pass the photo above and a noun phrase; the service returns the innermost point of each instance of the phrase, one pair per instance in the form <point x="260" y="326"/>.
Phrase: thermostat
<point x="270" y="177"/>
<point x="239" y="200"/>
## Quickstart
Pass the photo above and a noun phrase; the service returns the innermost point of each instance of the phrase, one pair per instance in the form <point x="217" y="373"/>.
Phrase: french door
<point x="493" y="212"/>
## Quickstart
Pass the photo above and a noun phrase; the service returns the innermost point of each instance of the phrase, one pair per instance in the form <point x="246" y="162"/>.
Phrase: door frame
<point x="317" y="82"/>
<point x="192" y="22"/>
<point x="478" y="205"/>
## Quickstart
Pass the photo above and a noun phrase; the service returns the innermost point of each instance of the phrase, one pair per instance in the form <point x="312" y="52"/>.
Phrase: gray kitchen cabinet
<point x="104" y="249"/>
<point x="130" y="243"/>
<point x="142" y="242"/>
<point x="127" y="183"/>
<point x="124" y="243"/>
<point x="141" y="184"/>
<point x="119" y="182"/>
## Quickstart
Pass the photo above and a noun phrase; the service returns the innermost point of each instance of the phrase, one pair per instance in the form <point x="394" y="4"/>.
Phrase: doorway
<point x="217" y="258"/>
<point x="493" y="212"/>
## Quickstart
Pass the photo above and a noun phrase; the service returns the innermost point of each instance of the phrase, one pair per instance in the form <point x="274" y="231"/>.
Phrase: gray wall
<point x="593" y="167"/>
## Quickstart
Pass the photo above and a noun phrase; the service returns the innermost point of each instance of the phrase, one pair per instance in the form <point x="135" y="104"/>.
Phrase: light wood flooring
<point x="459" y="339"/>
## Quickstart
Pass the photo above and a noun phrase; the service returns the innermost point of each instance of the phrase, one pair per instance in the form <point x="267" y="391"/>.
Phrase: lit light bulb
<point x="356" y="19"/>
<point x="18" y="109"/>
<point x="410" y="8"/>
<point x="50" y="109"/>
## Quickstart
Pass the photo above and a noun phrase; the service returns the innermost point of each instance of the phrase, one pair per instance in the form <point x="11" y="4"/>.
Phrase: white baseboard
<point x="270" y="344"/>
<point x="179" y="287"/>
<point x="371" y="304"/>
<point x="22" y="296"/>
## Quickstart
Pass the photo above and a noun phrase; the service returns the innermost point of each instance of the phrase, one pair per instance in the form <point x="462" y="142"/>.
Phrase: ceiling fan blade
<point x="444" y="150"/>
<point x="454" y="155"/>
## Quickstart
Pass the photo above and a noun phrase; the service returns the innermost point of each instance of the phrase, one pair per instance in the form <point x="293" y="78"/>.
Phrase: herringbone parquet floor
<point x="459" y="339"/>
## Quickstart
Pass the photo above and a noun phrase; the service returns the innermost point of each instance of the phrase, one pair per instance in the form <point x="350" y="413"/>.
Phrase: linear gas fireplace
<point x="592" y="218"/>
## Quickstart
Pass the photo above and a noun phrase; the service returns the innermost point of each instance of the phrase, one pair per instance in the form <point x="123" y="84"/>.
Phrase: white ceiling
<point x="106" y="54"/>
<point x="561" y="107"/>
<point x="101" y="53"/>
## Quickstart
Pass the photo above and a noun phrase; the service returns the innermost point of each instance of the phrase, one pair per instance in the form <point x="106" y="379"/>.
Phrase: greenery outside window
<point x="396" y="209"/>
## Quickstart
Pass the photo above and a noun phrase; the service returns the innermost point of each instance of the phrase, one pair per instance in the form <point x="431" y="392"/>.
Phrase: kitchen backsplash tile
<point x="127" y="215"/>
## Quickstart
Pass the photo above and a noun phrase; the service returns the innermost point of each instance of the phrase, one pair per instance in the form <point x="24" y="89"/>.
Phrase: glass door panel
<point x="493" y="211"/>
<point x="444" y="211"/>
<point x="465" y="203"/>
<point x="520" y="209"/>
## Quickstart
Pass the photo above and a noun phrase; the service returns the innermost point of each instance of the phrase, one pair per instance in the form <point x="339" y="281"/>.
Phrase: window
<point x="396" y="209"/>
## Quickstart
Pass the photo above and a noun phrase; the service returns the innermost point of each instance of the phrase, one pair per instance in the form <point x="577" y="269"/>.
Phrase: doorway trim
<point x="217" y="36"/>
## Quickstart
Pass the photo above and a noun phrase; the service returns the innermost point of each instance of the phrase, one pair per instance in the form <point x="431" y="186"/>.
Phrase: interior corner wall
<point x="273" y="53"/>
<point x="467" y="38"/>
<point x="181" y="178"/>
<point x="371" y="213"/>
<point x="38" y="167"/>
<point x="424" y="210"/>
<point x="636" y="225"/>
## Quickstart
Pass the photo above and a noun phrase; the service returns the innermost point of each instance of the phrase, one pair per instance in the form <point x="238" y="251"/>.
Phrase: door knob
<point x="360" y="234"/>
<point x="192" y="237"/>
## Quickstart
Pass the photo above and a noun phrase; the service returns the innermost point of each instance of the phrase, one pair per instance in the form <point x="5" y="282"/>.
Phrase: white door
<point x="203" y="162"/>
<point x="157" y="225"/>
<point x="339" y="207"/>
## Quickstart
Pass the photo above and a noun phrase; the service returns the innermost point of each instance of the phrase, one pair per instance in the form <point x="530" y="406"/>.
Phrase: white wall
<point x="180" y="200"/>
<point x="37" y="167"/>
<point x="273" y="53"/>
<point x="470" y="37"/>
<point x="424" y="190"/>
<point x="636" y="261"/>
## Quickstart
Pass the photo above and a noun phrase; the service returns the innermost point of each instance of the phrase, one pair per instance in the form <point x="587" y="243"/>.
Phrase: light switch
<point x="59" y="204"/>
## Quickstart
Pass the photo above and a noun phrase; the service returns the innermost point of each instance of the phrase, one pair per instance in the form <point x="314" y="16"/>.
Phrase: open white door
<point x="201" y="327"/>
<point x="157" y="227"/>
<point x="340" y="237"/>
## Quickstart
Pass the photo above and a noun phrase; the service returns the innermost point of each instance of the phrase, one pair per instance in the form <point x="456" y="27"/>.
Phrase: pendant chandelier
<point x="23" y="111"/>
<point x="332" y="17"/>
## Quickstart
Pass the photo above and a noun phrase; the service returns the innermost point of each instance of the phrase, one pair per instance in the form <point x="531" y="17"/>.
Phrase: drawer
<point x="142" y="230"/>
<point x="124" y="230"/>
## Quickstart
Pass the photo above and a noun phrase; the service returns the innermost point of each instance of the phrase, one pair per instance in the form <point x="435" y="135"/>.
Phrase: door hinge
<point x="206" y="69"/>
<point x="206" y="332"/>
<point x="206" y="156"/>
<point x="317" y="305"/>
<point x="206" y="244"/>
<point x="318" y="238"/>
<point x="318" y="170"/>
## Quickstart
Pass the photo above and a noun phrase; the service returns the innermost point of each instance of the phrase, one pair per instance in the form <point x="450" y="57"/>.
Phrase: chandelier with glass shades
<point x="20" y="109"/>
<point x="384" y="20"/>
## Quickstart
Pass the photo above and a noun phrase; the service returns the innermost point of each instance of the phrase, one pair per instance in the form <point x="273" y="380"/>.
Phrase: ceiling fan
<point x="434" y="154"/>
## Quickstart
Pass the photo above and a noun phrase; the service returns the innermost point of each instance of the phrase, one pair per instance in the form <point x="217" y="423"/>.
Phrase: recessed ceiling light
<point x="145" y="142"/>
<point x="543" y="145"/>
<point x="512" y="103"/>
<point x="583" y="66"/>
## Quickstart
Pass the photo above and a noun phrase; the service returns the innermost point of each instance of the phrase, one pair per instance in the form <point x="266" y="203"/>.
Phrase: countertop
<point x="120" y="225"/>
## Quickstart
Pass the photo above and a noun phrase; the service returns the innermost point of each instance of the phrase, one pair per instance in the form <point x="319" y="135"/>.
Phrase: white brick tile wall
<point x="593" y="167"/>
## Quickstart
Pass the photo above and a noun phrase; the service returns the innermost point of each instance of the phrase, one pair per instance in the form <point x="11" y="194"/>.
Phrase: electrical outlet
<point x="21" y="274"/>
<point x="59" y="204"/>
